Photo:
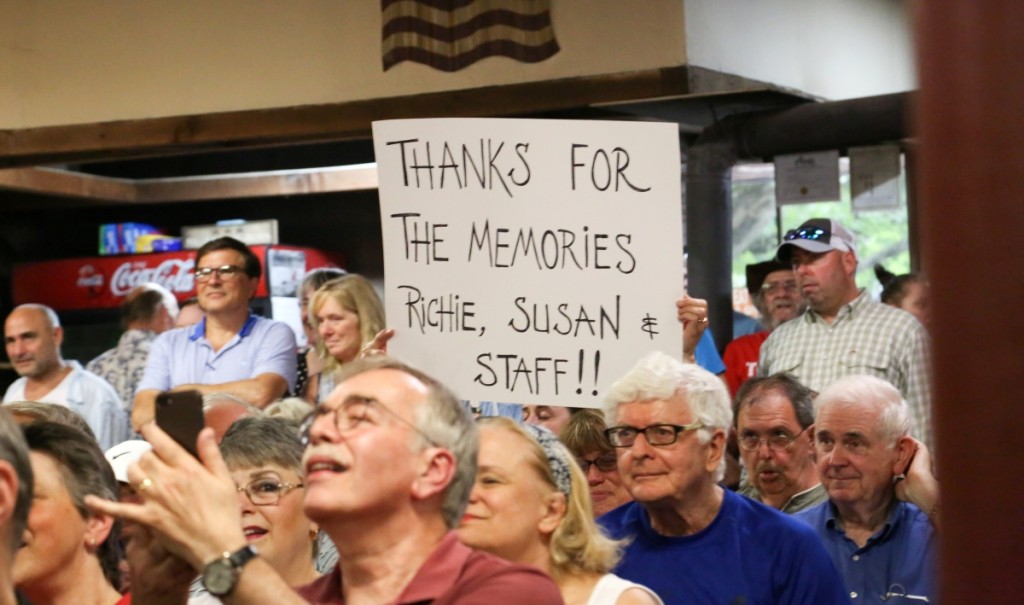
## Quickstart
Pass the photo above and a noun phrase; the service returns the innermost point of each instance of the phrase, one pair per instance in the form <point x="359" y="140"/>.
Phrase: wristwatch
<point x="221" y="575"/>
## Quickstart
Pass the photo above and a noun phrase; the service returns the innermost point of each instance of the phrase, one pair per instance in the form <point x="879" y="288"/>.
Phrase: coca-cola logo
<point x="174" y="274"/>
<point x="88" y="278"/>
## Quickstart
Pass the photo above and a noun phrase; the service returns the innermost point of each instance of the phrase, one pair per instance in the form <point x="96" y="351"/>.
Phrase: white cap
<point x="122" y="455"/>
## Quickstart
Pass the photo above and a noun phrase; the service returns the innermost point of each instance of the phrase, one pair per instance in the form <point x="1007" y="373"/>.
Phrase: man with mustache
<point x="775" y="431"/>
<point x="772" y="287"/>
<point x="877" y="524"/>
<point x="843" y="331"/>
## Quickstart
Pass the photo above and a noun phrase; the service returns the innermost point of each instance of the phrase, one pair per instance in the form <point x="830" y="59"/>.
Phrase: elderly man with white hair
<point x="691" y="541"/>
<point x="877" y="524"/>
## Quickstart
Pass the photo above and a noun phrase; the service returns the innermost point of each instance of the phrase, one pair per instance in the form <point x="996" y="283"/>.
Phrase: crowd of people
<point x="794" y="469"/>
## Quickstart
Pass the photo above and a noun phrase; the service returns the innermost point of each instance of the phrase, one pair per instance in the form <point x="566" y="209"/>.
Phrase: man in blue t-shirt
<point x="691" y="541"/>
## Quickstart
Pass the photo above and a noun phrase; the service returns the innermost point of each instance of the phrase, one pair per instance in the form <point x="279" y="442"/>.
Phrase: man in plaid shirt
<point x="843" y="331"/>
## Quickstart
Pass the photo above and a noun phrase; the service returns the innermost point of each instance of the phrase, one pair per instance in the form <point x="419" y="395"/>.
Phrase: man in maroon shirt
<point x="389" y="463"/>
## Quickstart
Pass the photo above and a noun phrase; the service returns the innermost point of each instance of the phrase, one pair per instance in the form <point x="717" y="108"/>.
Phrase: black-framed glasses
<point x="267" y="491"/>
<point x="604" y="463"/>
<point x="223" y="272"/>
<point x="778" y="441"/>
<point x="655" y="434"/>
<point x="814" y="234"/>
<point x="352" y="412"/>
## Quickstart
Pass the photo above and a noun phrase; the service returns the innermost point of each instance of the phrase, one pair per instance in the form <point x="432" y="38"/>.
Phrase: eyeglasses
<point x="778" y="441"/>
<point x="655" y="434"/>
<point x="226" y="272"/>
<point x="351" y="413"/>
<point x="604" y="463"/>
<point x="267" y="492"/>
<point x="816" y="233"/>
<point x="782" y="286"/>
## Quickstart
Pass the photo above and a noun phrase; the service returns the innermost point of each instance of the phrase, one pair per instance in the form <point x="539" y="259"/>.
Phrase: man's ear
<point x="849" y="262"/>
<point x="436" y="474"/>
<point x="810" y="442"/>
<point x="905" y="449"/>
<point x="555" y="509"/>
<point x="58" y="335"/>
<point x="716" y="449"/>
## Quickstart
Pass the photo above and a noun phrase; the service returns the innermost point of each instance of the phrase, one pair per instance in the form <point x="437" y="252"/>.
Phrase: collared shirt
<point x="797" y="502"/>
<point x="91" y="397"/>
<point x="898" y="560"/>
<point x="750" y="553"/>
<point x="452" y="574"/>
<point x="866" y="337"/>
<point x="184" y="356"/>
<point x="122" y="367"/>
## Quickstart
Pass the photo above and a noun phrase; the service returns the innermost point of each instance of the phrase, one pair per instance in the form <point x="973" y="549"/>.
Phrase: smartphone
<point x="180" y="415"/>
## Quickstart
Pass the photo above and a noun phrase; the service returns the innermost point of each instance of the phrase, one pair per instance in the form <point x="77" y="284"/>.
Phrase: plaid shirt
<point x="866" y="337"/>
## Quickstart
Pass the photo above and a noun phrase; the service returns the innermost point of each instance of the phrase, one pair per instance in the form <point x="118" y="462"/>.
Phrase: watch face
<point x="219" y="577"/>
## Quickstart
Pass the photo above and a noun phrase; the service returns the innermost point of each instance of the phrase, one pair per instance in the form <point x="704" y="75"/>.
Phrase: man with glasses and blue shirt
<point x="231" y="350"/>
<point x="690" y="540"/>
<point x="775" y="432"/>
<point x="879" y="522"/>
<point x="843" y="331"/>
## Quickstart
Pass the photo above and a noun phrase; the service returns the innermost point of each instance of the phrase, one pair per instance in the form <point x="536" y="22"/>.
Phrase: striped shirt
<point x="866" y="337"/>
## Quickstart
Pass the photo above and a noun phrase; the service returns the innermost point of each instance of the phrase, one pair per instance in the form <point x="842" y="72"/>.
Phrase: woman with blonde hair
<point x="531" y="505"/>
<point x="347" y="315"/>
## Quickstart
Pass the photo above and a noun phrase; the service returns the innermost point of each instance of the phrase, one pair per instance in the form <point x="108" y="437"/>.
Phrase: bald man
<point x="33" y="336"/>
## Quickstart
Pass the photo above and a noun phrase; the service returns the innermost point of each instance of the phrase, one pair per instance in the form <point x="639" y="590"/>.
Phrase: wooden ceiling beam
<point x="327" y="122"/>
<point x="104" y="190"/>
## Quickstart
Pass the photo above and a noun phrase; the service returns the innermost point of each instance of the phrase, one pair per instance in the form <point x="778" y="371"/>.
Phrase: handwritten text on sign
<point x="530" y="261"/>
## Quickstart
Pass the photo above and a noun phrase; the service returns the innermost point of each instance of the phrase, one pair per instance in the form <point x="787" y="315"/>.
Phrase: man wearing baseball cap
<point x="843" y="331"/>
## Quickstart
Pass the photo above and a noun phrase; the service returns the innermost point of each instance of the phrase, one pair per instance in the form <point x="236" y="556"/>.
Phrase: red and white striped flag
<point x="452" y="34"/>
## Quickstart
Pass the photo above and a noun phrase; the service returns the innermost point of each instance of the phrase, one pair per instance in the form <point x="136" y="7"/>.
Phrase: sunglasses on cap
<point x="814" y="234"/>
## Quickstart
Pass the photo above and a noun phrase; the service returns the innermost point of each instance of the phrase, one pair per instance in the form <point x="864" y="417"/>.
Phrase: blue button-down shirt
<point x="184" y="356"/>
<point x="895" y="564"/>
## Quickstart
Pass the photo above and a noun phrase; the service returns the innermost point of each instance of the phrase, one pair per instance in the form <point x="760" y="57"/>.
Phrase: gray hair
<point x="894" y="419"/>
<point x="315" y="278"/>
<point x="659" y="376"/>
<point x="291" y="408"/>
<point x="257" y="441"/>
<point x="47" y="312"/>
<point x="800" y="397"/>
<point x="215" y="398"/>
<point x="14" y="450"/>
<point x="35" y="411"/>
<point x="443" y="421"/>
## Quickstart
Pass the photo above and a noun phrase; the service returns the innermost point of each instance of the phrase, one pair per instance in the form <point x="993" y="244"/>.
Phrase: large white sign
<point x="530" y="261"/>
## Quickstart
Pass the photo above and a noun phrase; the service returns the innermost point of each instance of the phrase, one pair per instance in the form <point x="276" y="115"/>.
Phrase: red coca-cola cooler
<point x="87" y="292"/>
